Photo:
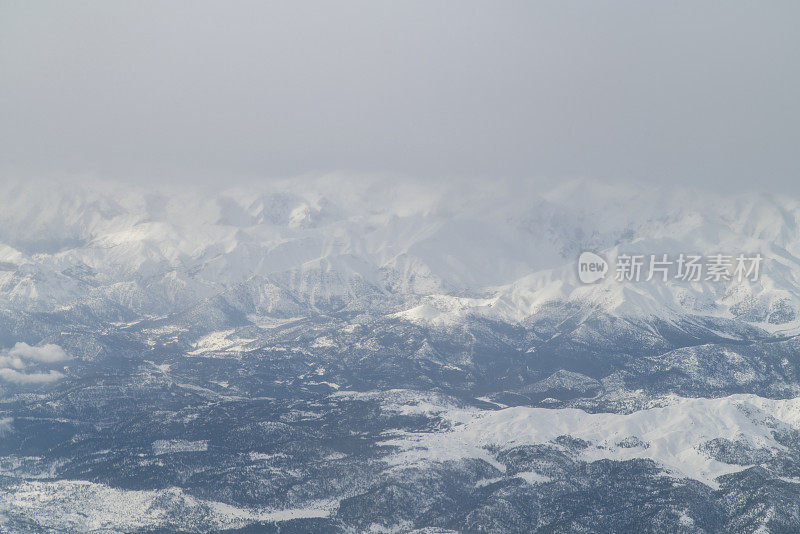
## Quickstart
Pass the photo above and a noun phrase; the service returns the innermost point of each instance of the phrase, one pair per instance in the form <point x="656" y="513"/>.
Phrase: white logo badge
<point x="591" y="267"/>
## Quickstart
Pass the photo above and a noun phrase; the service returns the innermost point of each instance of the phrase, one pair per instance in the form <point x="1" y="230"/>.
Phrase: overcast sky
<point x="659" y="92"/>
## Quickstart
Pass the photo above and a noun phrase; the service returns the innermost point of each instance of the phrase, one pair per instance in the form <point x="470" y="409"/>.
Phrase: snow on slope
<point x="430" y="253"/>
<point x="672" y="435"/>
<point x="78" y="506"/>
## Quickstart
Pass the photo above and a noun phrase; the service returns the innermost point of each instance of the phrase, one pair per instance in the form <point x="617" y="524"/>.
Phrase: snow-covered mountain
<point x="425" y="253"/>
<point x="341" y="355"/>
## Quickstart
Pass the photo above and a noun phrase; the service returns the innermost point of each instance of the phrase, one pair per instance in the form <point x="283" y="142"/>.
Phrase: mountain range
<point x="340" y="354"/>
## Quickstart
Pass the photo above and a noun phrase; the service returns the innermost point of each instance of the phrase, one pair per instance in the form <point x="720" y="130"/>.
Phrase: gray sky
<point x="686" y="92"/>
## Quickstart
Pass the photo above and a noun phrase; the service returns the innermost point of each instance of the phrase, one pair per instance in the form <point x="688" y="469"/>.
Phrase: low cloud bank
<point x="16" y="377"/>
<point x="15" y="362"/>
<point x="48" y="353"/>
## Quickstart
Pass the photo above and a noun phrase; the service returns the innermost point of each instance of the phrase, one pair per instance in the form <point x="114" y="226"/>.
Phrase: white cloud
<point x="16" y="377"/>
<point x="48" y="353"/>
<point x="15" y="362"/>
<point x="5" y="425"/>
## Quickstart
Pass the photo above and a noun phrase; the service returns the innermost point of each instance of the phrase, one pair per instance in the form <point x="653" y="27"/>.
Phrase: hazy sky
<point x="686" y="92"/>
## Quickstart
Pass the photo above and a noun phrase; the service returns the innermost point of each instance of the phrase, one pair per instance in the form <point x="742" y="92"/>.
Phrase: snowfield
<point x="88" y="507"/>
<point x="673" y="435"/>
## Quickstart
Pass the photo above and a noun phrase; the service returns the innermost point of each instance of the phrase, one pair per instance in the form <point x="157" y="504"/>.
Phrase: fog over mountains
<point x="337" y="355"/>
<point x="390" y="267"/>
<point x="428" y="252"/>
